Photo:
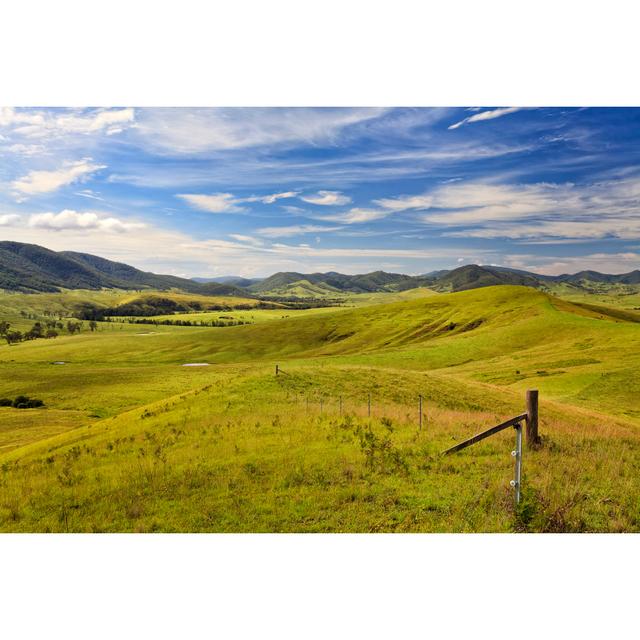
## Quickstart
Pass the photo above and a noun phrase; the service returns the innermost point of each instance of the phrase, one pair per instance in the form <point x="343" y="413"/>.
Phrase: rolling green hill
<point x="131" y="440"/>
<point x="473" y="276"/>
<point x="332" y="281"/>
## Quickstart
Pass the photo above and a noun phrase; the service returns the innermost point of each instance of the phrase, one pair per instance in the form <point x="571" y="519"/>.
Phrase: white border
<point x="302" y="52"/>
<point x="318" y="586"/>
<point x="79" y="53"/>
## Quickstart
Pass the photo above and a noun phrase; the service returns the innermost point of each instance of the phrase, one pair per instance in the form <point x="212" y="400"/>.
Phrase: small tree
<point x="93" y="325"/>
<point x="73" y="327"/>
<point x="51" y="333"/>
<point x="37" y="331"/>
<point x="13" y="336"/>
<point x="4" y="327"/>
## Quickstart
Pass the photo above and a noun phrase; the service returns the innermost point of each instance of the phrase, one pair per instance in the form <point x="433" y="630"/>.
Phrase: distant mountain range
<point x="466" y="277"/>
<point x="31" y="268"/>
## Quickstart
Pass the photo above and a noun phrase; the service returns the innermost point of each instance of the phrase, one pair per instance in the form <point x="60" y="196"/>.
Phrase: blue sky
<point x="219" y="191"/>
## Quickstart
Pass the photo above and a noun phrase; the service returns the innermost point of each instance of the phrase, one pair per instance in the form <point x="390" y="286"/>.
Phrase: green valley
<point x="131" y="439"/>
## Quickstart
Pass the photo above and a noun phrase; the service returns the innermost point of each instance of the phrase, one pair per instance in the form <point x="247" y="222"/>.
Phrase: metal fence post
<point x="369" y="407"/>
<point x="340" y="405"/>
<point x="420" y="403"/>
<point x="517" y="454"/>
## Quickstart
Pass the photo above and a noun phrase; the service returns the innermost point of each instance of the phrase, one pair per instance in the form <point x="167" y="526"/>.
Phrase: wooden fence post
<point x="420" y="411"/>
<point x="533" y="439"/>
<point x="369" y="407"/>
<point x="277" y="369"/>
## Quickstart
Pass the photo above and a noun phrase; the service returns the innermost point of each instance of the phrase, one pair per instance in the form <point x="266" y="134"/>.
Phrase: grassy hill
<point x="281" y="283"/>
<point x="31" y="268"/>
<point x="473" y="276"/>
<point x="130" y="440"/>
<point x="21" y="309"/>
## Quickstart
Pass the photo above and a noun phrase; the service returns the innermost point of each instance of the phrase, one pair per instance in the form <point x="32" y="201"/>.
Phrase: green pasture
<point x="131" y="440"/>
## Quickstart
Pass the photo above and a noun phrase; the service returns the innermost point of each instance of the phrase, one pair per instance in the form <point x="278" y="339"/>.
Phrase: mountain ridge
<point x="30" y="268"/>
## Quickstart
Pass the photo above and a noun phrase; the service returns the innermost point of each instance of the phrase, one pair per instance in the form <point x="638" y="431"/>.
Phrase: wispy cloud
<point x="36" y="182"/>
<point x="485" y="115"/>
<point x="45" y="123"/>
<point x="244" y="238"/>
<point x="327" y="198"/>
<point x="193" y="131"/>
<point x="214" y="203"/>
<point x="87" y="193"/>
<point x="557" y="231"/>
<point x="357" y="215"/>
<point x="273" y="197"/>
<point x="294" y="230"/>
<point x="616" y="262"/>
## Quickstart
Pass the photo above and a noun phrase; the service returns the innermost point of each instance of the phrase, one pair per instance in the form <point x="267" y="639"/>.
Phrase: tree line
<point x="47" y="330"/>
<point x="185" y="323"/>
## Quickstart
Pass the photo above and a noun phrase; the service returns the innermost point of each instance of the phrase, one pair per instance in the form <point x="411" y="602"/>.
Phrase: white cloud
<point x="552" y="265"/>
<point x="557" y="231"/>
<point x="327" y="198"/>
<point x="293" y="210"/>
<point x="248" y="239"/>
<point x="486" y="115"/>
<point x="357" y="215"/>
<point x="405" y="202"/>
<point x="42" y="123"/>
<point x="214" y="203"/>
<point x="46" y="181"/>
<point x="87" y="193"/>
<point x="598" y="210"/>
<point x="8" y="219"/>
<point x="10" y="117"/>
<point x="294" y="230"/>
<point x="270" y="199"/>
<point x="185" y="131"/>
<point x="25" y="149"/>
<point x="112" y="120"/>
<point x="88" y="220"/>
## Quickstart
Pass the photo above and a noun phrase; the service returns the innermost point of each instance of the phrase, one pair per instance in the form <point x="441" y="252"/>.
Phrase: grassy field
<point x="250" y="316"/>
<point x="131" y="440"/>
<point x="21" y="309"/>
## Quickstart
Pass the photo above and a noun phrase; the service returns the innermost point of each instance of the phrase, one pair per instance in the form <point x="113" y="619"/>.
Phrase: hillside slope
<point x="234" y="447"/>
<point x="31" y="268"/>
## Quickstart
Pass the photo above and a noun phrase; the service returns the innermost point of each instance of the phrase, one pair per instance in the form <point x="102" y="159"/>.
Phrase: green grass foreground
<point x="130" y="440"/>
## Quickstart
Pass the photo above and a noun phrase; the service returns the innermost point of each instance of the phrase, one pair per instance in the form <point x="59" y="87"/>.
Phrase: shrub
<point x="22" y="402"/>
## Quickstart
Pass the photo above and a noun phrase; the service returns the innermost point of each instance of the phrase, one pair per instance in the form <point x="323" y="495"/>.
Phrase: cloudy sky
<point x="205" y="192"/>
